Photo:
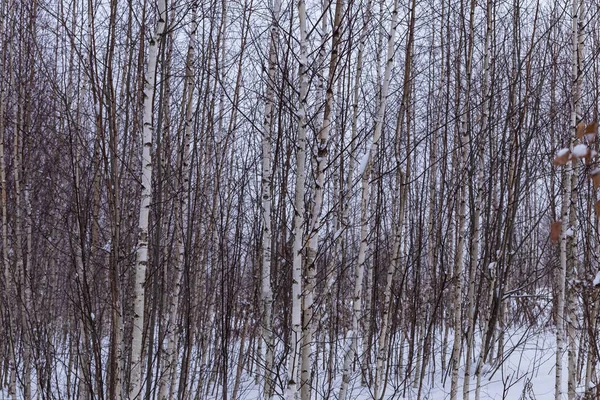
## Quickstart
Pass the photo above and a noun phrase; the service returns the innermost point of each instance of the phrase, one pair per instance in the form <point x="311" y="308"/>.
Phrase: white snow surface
<point x="562" y="152"/>
<point x="527" y="373"/>
<point x="580" y="150"/>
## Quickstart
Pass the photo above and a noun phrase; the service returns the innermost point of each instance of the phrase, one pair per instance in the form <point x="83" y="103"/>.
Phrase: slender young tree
<point x="365" y="174"/>
<point x="476" y="219"/>
<point x="566" y="208"/>
<point x="267" y="182"/>
<point x="401" y="187"/>
<point x="136" y="383"/>
<point x="297" y="250"/>
<point x="181" y="206"/>
<point x="315" y="219"/>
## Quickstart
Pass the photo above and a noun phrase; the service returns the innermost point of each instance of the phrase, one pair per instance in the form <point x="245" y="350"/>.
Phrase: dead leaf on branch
<point x="555" y="228"/>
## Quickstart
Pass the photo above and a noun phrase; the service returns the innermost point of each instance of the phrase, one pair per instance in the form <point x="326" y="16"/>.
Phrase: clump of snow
<point x="492" y="265"/>
<point x="562" y="152"/>
<point x="337" y="234"/>
<point x="597" y="279"/>
<point x="365" y="159"/>
<point x="580" y="150"/>
<point x="569" y="232"/>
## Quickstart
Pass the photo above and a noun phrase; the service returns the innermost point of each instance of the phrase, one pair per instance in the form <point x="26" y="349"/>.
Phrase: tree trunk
<point x="268" y="338"/>
<point x="135" y="380"/>
<point x="297" y="250"/>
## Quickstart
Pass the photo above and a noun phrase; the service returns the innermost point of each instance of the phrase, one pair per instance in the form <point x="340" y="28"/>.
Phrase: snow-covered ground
<point x="527" y="373"/>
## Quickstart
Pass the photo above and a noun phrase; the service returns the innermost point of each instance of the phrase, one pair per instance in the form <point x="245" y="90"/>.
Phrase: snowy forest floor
<point x="527" y="373"/>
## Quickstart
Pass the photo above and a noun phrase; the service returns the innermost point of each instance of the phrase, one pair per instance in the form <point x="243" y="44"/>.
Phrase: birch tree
<point x="364" y="172"/>
<point x="315" y="220"/>
<point x="267" y="182"/>
<point x="297" y="250"/>
<point x="136" y="383"/>
<point x="475" y="235"/>
<point x="181" y="207"/>
<point x="401" y="187"/>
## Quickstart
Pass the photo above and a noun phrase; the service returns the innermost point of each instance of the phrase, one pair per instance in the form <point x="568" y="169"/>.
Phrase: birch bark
<point x="267" y="176"/>
<point x="9" y="287"/>
<point x="566" y="208"/>
<point x="315" y="221"/>
<point x="572" y="261"/>
<point x="461" y="228"/>
<point x="371" y="153"/>
<point x="475" y="235"/>
<point x="136" y="384"/>
<point x="295" y="336"/>
<point x="401" y="181"/>
<point x="181" y="209"/>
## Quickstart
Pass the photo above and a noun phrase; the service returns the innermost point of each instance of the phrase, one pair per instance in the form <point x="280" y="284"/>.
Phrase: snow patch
<point x="597" y="279"/>
<point x="337" y="234"/>
<point x="580" y="150"/>
<point x="569" y="232"/>
<point x="365" y="160"/>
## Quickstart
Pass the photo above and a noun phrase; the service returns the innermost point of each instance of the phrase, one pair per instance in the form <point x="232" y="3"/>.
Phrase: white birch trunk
<point x="566" y="211"/>
<point x="267" y="175"/>
<point x="475" y="236"/>
<point x="21" y="271"/>
<point x="315" y="222"/>
<point x="560" y="328"/>
<point x="571" y="295"/>
<point x="461" y="228"/>
<point x="8" y="290"/>
<point x="135" y="381"/>
<point x="383" y="341"/>
<point x="181" y="212"/>
<point x="371" y="153"/>
<point x="296" y="332"/>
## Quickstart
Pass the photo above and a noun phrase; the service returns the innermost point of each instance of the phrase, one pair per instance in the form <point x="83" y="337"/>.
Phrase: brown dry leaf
<point x="562" y="157"/>
<point x="581" y="130"/>
<point x="595" y="177"/>
<point x="591" y="132"/>
<point x="597" y="207"/>
<point x="592" y="127"/>
<point x="555" y="228"/>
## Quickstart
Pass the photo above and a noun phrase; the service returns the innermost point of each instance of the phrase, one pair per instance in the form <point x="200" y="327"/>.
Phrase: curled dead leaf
<point x="562" y="157"/>
<point x="595" y="177"/>
<point x="555" y="228"/>
<point x="580" y="130"/>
